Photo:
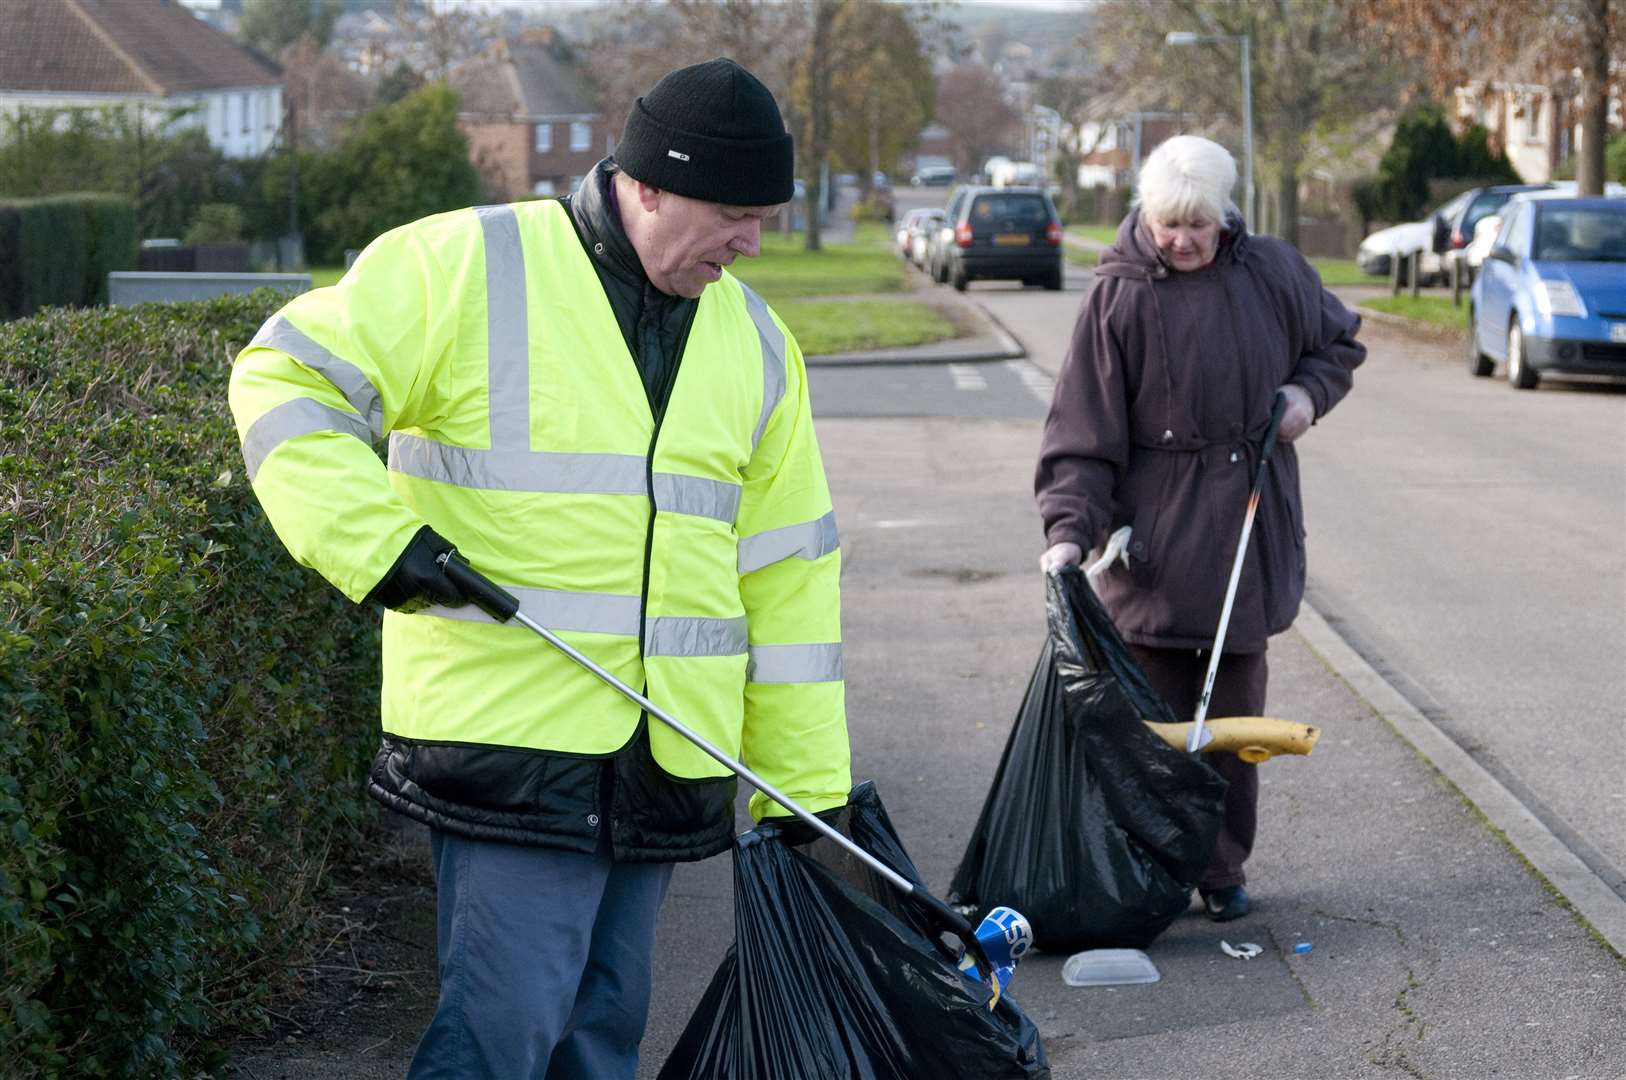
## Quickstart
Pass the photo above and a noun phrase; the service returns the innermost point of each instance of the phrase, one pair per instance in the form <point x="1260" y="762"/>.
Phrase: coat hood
<point x="1133" y="255"/>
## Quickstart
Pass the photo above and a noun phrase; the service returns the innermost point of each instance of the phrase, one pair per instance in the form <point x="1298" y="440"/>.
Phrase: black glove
<point x="796" y="832"/>
<point x="416" y="580"/>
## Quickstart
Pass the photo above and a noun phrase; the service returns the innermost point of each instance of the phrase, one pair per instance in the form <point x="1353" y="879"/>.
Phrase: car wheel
<point x="1479" y="365"/>
<point x="959" y="279"/>
<point x="1053" y="281"/>
<point x="1520" y="375"/>
<point x="939" y="272"/>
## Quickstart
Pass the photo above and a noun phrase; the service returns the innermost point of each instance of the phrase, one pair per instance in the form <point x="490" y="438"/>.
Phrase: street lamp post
<point x="1187" y="37"/>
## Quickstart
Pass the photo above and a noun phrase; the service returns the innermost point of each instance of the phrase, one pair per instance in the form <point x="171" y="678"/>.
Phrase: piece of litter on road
<point x="1109" y="967"/>
<point x="1303" y="946"/>
<point x="1245" y="951"/>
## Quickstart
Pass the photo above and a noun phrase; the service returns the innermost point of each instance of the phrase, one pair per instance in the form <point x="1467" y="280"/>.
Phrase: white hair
<point x="1187" y="177"/>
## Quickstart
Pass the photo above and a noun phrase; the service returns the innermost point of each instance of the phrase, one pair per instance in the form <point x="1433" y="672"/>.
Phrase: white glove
<point x="1059" y="555"/>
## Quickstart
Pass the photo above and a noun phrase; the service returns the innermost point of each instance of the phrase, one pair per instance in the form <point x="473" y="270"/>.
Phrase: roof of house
<point x="526" y="76"/>
<point x="150" y="47"/>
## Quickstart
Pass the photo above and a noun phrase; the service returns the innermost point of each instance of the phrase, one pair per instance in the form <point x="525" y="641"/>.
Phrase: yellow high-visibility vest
<point x="698" y="560"/>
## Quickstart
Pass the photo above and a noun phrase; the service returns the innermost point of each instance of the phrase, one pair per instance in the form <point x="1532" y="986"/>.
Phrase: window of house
<point x="544" y="140"/>
<point x="1532" y="119"/>
<point x="581" y="136"/>
<point x="243" y="104"/>
<point x="542" y="187"/>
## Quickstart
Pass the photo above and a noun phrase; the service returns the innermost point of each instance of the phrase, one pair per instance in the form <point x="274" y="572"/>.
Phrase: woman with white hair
<point x="1191" y="328"/>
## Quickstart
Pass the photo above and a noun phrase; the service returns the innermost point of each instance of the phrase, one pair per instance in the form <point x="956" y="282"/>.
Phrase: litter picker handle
<point x="502" y="606"/>
<point x="1199" y="737"/>
<point x="486" y="594"/>
<point x="1278" y="408"/>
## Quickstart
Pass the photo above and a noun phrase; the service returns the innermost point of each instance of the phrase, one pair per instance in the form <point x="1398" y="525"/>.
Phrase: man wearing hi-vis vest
<point x="600" y="418"/>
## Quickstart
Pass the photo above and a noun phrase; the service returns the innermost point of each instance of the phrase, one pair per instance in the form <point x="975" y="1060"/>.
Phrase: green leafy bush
<point x="187" y="712"/>
<point x="216" y="223"/>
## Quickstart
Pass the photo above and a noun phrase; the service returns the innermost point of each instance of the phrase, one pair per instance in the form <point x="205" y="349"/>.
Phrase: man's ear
<point x="649" y="196"/>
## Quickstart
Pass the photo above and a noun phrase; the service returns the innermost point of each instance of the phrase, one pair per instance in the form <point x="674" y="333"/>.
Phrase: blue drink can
<point x="1006" y="936"/>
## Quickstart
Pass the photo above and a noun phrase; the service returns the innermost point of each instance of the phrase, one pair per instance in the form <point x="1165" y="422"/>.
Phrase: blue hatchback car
<point x="1551" y="295"/>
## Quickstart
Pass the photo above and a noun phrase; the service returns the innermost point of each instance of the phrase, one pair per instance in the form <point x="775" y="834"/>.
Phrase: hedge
<point x="187" y="712"/>
<point x="58" y="250"/>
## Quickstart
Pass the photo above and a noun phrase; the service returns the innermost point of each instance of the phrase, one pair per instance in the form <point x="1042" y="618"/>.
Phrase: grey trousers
<point x="1239" y="690"/>
<point x="545" y="962"/>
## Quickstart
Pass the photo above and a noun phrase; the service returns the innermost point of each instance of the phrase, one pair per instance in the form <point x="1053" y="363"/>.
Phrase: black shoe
<point x="1226" y="904"/>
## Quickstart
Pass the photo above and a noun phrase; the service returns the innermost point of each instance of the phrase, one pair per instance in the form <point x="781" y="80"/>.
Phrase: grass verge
<point x="785" y="270"/>
<point x="1343" y="272"/>
<point x="1101" y="234"/>
<point x="1434" y="310"/>
<point x="833" y="326"/>
<point x="1081" y="256"/>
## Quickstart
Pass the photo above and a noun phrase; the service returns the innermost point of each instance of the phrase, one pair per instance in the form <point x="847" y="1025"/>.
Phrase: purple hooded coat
<point x="1156" y="421"/>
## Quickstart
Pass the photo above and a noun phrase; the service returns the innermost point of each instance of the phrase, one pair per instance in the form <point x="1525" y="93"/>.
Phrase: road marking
<point x="1033" y="377"/>
<point x="967" y="377"/>
<point x="1589" y="895"/>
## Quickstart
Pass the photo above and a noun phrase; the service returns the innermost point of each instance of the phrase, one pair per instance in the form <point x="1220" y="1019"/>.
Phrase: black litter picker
<point x="843" y="945"/>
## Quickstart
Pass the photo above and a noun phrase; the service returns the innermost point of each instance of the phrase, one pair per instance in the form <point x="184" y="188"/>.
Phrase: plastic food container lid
<point x="1109" y="967"/>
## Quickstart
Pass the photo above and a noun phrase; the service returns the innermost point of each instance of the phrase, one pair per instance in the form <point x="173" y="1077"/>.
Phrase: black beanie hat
<point x="713" y="132"/>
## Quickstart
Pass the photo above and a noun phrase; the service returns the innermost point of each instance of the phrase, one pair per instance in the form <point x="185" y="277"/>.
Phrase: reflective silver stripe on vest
<point x="794" y="664"/>
<point x="808" y="540"/>
<point x="300" y="416"/>
<point x="278" y="333"/>
<point x="575" y="474"/>
<point x="508" y="361"/>
<point x="555" y="609"/>
<point x="697" y="496"/>
<point x="671" y="635"/>
<point x="517" y="470"/>
<point x="773" y="359"/>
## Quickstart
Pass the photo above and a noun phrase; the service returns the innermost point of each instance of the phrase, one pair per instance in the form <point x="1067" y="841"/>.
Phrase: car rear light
<point x="1052" y="234"/>
<point x="1457" y="239"/>
<point x="962" y="234"/>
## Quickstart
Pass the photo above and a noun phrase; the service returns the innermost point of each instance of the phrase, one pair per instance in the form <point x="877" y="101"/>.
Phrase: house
<point x="1537" y="126"/>
<point x="151" y="56"/>
<point x="1110" y="151"/>
<point x="533" y="123"/>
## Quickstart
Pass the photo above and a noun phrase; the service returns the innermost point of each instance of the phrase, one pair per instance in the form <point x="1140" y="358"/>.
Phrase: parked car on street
<point x="920" y="232"/>
<point x="1377" y="252"/>
<point x="1453" y="233"/>
<point x="1551" y="295"/>
<point x="933" y="176"/>
<point x="1001" y="233"/>
<point x="900" y="233"/>
<point x="1485" y="229"/>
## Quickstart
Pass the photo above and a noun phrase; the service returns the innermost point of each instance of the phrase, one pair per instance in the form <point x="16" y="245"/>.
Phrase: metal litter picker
<point x="1199" y="737"/>
<point x="503" y="607"/>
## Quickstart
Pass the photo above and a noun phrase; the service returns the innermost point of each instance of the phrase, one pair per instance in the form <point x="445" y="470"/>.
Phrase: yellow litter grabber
<point x="1251" y="738"/>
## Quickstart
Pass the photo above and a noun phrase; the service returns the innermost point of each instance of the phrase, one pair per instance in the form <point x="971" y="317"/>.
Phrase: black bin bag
<point x="833" y="976"/>
<point x="1094" y="827"/>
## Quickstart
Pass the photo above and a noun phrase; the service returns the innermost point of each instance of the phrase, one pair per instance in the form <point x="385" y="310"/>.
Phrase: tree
<point x="1305" y="76"/>
<point x="1459" y="41"/>
<point x="129" y="152"/>
<point x="397" y="163"/>
<point x="972" y="105"/>
<point x="1422" y="148"/>
<point x="273" y="25"/>
<point x="887" y="94"/>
